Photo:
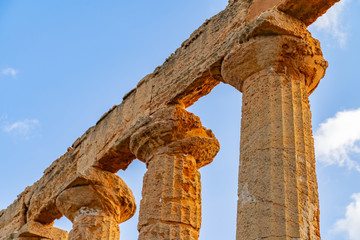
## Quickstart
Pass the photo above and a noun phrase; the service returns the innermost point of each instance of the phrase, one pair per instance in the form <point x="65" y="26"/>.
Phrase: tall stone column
<point x="174" y="145"/>
<point x="97" y="208"/>
<point x="278" y="196"/>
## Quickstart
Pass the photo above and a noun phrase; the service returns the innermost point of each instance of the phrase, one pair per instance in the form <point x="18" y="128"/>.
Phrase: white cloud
<point x="338" y="139"/>
<point x="350" y="224"/>
<point x="332" y="22"/>
<point x="21" y="128"/>
<point x="10" y="71"/>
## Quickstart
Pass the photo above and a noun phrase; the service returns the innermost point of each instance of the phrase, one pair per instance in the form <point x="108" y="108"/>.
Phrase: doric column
<point x="278" y="196"/>
<point x="174" y="145"/>
<point x="97" y="208"/>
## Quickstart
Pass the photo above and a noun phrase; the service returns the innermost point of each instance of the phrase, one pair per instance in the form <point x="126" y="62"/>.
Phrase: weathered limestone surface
<point x="277" y="183"/>
<point x="35" y="231"/>
<point x="106" y="145"/>
<point x="96" y="210"/>
<point x="97" y="227"/>
<point x="174" y="146"/>
<point x="306" y="11"/>
<point x="222" y="49"/>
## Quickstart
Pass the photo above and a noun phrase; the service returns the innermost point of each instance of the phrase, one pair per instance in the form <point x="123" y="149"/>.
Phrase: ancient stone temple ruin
<point x="260" y="47"/>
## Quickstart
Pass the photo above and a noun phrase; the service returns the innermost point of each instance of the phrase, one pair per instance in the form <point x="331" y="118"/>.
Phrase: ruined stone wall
<point x="190" y="73"/>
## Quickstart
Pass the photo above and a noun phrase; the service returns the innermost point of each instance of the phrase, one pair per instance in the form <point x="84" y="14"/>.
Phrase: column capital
<point x="278" y="44"/>
<point x="109" y="197"/>
<point x="285" y="55"/>
<point x="173" y="130"/>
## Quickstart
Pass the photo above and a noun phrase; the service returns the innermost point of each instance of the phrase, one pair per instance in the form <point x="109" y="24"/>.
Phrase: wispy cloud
<point x="21" y="128"/>
<point x="337" y="141"/>
<point x="332" y="23"/>
<point x="350" y="224"/>
<point x="10" y="72"/>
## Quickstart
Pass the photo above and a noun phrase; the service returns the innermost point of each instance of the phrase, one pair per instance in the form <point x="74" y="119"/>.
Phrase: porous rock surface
<point x="263" y="49"/>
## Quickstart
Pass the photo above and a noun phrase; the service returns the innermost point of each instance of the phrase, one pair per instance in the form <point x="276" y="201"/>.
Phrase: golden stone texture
<point x="96" y="210"/>
<point x="174" y="146"/>
<point x="306" y="11"/>
<point x="277" y="182"/>
<point x="35" y="231"/>
<point x="260" y="47"/>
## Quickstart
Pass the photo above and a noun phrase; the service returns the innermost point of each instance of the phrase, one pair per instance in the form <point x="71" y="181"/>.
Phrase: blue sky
<point x="64" y="63"/>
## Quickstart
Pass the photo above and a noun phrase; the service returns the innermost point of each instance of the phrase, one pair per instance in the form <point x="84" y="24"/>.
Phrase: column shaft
<point x="95" y="227"/>
<point x="171" y="203"/>
<point x="278" y="196"/>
